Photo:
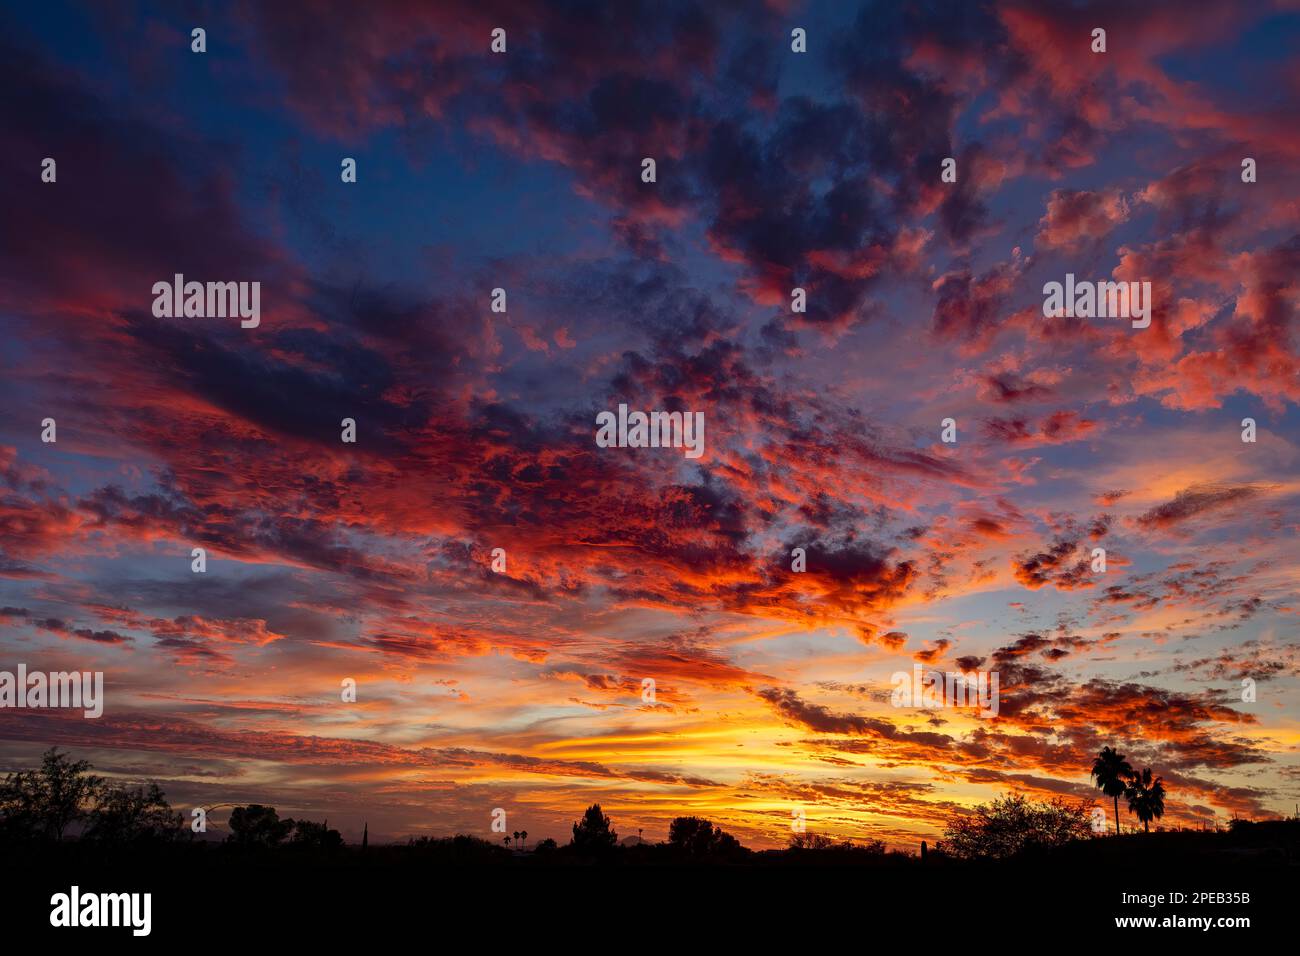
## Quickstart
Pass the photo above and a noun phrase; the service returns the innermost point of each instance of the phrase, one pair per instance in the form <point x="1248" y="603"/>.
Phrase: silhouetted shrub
<point x="1014" y="824"/>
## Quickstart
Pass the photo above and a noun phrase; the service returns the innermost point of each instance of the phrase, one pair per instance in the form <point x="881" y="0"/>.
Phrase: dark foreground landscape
<point x="1014" y="863"/>
<point x="468" y="883"/>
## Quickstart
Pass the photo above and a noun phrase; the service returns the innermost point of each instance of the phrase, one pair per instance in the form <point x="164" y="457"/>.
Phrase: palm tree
<point x="507" y="841"/>
<point x="1113" y="774"/>
<point x="1146" y="798"/>
<point x="516" y="838"/>
<point x="523" y="834"/>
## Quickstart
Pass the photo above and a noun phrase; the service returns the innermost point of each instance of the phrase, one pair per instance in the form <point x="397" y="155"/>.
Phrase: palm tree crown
<point x="1113" y="774"/>
<point x="1146" y="797"/>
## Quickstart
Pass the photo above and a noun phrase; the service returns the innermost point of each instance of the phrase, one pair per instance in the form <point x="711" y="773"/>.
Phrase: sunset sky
<point x="475" y="430"/>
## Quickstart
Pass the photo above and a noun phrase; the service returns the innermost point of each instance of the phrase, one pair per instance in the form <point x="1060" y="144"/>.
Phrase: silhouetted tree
<point x="1112" y="773"/>
<point x="523" y="835"/>
<point x="308" y="834"/>
<point x="1146" y="797"/>
<point x="810" y="841"/>
<point x="44" y="803"/>
<point x="546" y="847"/>
<point x="256" y="825"/>
<point x="593" y="833"/>
<point x="691" y="835"/>
<point x="698" y="839"/>
<point x="1014" y="823"/>
<point x="122" y="815"/>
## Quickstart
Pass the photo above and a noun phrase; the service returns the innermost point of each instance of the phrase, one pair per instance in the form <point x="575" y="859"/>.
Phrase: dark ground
<point x="210" y="893"/>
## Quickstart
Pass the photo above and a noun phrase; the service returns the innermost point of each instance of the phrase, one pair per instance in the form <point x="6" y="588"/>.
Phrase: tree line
<point x="62" y="799"/>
